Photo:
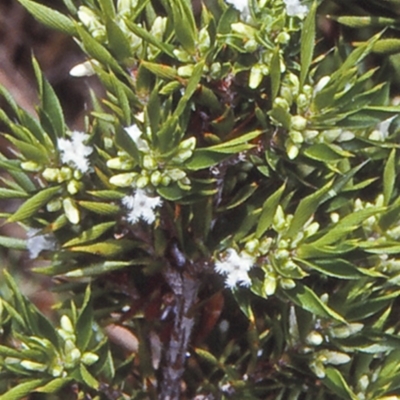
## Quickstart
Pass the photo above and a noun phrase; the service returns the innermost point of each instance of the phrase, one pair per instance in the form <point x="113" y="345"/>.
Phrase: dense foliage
<point x="227" y="226"/>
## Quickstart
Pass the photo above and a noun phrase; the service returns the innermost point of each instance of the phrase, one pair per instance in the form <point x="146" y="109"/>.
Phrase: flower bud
<point x="296" y="136"/>
<point x="31" y="166"/>
<point x="142" y="182"/>
<point x="256" y="76"/>
<point x="89" y="358"/>
<point x="176" y="174"/>
<point x="123" y="180"/>
<point x="165" y="180"/>
<point x="158" y="27"/>
<point x="182" y="55"/>
<point x="292" y="150"/>
<point x="287" y="283"/>
<point x="298" y="123"/>
<point x="120" y="164"/>
<point x="83" y="69"/>
<point x="33" y="366"/>
<point x="186" y="71"/>
<point x="149" y="162"/>
<point x="65" y="174"/>
<point x="71" y="211"/>
<point x="54" y="205"/>
<point x="73" y="187"/>
<point x="283" y="38"/>
<point x="155" y="178"/>
<point x="51" y="174"/>
<point x="66" y="324"/>
<point x="314" y="338"/>
<point x="243" y="30"/>
<point x="252" y="246"/>
<point x="188" y="144"/>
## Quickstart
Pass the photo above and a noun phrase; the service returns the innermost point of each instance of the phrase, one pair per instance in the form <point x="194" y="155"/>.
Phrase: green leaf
<point x="337" y="267"/>
<point x="268" y="211"/>
<point x="23" y="389"/>
<point x="99" y="207"/>
<point x="91" y="234"/>
<point x="107" y="248"/>
<point x="84" y="323"/>
<point x="99" y="52"/>
<point x="389" y="177"/>
<point x="306" y="298"/>
<point x="118" y="42"/>
<point x="387" y="46"/>
<point x="326" y="152"/>
<point x="49" y="17"/>
<point x="184" y="24"/>
<point x="29" y="208"/>
<point x="161" y="70"/>
<point x="87" y="377"/>
<point x="49" y="102"/>
<point x="108" y="8"/>
<point x="12" y="243"/>
<point x="104" y="268"/>
<point x="240" y="197"/>
<point x="334" y="381"/>
<point x="12" y="194"/>
<point x="306" y="209"/>
<point x="275" y="73"/>
<point x="204" y="158"/>
<point x="54" y="386"/>
<point x="307" y="43"/>
<point x="364" y="21"/>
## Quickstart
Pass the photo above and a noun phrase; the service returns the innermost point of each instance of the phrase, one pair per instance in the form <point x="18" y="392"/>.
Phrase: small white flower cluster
<point x="235" y="267"/>
<point x="75" y="152"/>
<point x="36" y="243"/>
<point x="295" y="9"/>
<point x="141" y="206"/>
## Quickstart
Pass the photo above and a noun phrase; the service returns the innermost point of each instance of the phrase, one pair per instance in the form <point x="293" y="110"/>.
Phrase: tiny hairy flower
<point x="75" y="152"/>
<point x="235" y="267"/>
<point x="141" y="206"/>
<point x="295" y="9"/>
<point x="36" y="243"/>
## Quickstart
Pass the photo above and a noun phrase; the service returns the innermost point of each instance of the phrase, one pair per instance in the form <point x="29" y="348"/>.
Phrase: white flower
<point x="235" y="266"/>
<point x="135" y="133"/>
<point x="141" y="206"/>
<point x="75" y="152"/>
<point x="36" y="243"/>
<point x="240" y="5"/>
<point x="295" y="9"/>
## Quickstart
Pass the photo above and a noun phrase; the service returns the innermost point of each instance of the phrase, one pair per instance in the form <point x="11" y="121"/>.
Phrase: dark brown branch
<point x="185" y="288"/>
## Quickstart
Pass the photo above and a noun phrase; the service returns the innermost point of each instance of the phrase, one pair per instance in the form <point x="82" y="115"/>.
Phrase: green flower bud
<point x="89" y="358"/>
<point x="292" y="150"/>
<point x="311" y="229"/>
<point x="142" y="182"/>
<point x="54" y="205"/>
<point x="265" y="245"/>
<point x="71" y="211"/>
<point x="298" y="123"/>
<point x="188" y="144"/>
<point x="252" y="246"/>
<point x="65" y="174"/>
<point x="256" y="76"/>
<point x="215" y="70"/>
<point x="149" y="162"/>
<point x="73" y="187"/>
<point x="120" y="164"/>
<point x="186" y="71"/>
<point x="56" y="371"/>
<point x="302" y="101"/>
<point x="296" y="136"/>
<point x="165" y="180"/>
<point x="251" y="45"/>
<point x="158" y="27"/>
<point x="287" y="283"/>
<point x="66" y="324"/>
<point x="204" y="41"/>
<point x="33" y="366"/>
<point x="51" y="174"/>
<point x="283" y="38"/>
<point x="176" y="174"/>
<point x="31" y="166"/>
<point x="309" y="135"/>
<point x="282" y="103"/>
<point x="126" y="6"/>
<point x="345" y="331"/>
<point x="124" y="180"/>
<point x="182" y="55"/>
<point x="155" y="178"/>
<point x="243" y="30"/>
<point x="314" y="338"/>
<point x="269" y="285"/>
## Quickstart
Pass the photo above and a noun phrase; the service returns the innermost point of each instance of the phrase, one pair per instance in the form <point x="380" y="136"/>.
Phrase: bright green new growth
<point x="232" y="205"/>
